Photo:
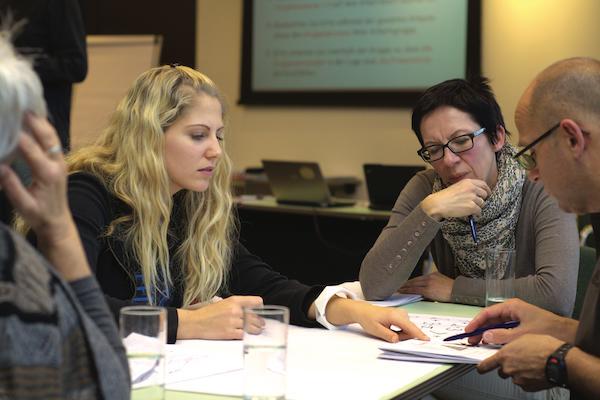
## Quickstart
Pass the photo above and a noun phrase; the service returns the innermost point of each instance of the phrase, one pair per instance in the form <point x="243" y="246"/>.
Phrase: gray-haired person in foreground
<point x="58" y="339"/>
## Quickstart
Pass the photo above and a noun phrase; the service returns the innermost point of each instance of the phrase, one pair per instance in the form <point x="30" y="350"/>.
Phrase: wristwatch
<point x="556" y="367"/>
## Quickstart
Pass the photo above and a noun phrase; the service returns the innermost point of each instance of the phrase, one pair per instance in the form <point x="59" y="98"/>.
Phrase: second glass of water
<point x="265" y="346"/>
<point x="499" y="275"/>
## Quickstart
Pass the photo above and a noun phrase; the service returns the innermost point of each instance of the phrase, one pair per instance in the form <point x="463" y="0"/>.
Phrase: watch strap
<point x="556" y="367"/>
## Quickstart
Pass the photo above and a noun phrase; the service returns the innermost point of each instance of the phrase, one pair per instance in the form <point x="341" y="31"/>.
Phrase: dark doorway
<point x="174" y="20"/>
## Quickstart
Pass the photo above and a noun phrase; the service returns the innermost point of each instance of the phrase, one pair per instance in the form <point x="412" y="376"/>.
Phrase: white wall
<point x="519" y="38"/>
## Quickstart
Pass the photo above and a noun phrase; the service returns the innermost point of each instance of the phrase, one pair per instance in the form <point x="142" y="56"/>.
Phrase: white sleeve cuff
<point x="323" y="299"/>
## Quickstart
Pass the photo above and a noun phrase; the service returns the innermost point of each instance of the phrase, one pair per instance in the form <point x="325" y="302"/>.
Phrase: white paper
<point x="439" y="327"/>
<point x="436" y="350"/>
<point x="140" y="344"/>
<point x="147" y="351"/>
<point x="182" y="366"/>
<point x="398" y="299"/>
<point x="321" y="364"/>
<point x="194" y="359"/>
<point x="394" y="300"/>
<point x="450" y="352"/>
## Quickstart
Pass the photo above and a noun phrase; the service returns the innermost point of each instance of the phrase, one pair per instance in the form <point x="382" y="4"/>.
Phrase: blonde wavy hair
<point x="129" y="158"/>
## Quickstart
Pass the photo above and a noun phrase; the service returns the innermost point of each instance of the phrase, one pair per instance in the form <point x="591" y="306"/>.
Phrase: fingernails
<point x="488" y="337"/>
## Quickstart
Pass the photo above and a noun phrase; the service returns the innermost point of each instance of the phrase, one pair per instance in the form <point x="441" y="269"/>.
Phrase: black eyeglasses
<point x="526" y="160"/>
<point x="456" y="145"/>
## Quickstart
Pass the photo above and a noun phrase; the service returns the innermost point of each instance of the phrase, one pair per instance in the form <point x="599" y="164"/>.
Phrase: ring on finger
<point x="54" y="150"/>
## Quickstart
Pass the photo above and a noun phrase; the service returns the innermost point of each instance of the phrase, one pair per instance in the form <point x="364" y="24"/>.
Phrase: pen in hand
<point x="473" y="229"/>
<point x="479" y="331"/>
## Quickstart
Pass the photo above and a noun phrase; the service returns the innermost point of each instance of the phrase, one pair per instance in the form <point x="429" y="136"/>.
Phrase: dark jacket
<point x="54" y="36"/>
<point x="93" y="209"/>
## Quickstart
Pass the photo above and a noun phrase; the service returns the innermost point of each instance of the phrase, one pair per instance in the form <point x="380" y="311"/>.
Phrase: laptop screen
<point x="299" y="182"/>
<point x="385" y="182"/>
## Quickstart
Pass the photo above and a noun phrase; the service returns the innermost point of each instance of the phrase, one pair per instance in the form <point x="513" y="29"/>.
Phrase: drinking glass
<point x="265" y="345"/>
<point x="499" y="275"/>
<point x="144" y="333"/>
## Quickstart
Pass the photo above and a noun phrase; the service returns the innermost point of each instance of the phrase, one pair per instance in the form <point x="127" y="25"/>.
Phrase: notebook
<point x="385" y="182"/>
<point x="300" y="183"/>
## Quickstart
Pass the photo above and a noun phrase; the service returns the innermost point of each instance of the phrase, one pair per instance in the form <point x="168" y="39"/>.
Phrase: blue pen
<point x="473" y="229"/>
<point x="479" y="331"/>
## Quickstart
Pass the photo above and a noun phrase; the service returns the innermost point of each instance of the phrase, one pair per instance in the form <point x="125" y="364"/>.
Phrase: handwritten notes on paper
<point x="198" y="359"/>
<point x="438" y="327"/>
<point x="436" y="350"/>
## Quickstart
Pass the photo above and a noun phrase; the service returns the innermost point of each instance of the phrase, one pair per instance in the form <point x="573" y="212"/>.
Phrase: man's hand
<point x="532" y="320"/>
<point x="524" y="360"/>
<point x="434" y="286"/>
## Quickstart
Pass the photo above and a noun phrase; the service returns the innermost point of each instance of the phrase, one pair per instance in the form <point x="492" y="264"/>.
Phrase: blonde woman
<point x="152" y="203"/>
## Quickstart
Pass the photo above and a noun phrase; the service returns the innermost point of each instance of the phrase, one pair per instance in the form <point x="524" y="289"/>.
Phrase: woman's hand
<point x="463" y="198"/>
<point x="434" y="286"/>
<point x="43" y="205"/>
<point x="221" y="320"/>
<point x="376" y="321"/>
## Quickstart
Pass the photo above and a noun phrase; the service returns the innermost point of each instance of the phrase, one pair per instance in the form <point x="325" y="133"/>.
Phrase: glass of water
<point x="144" y="333"/>
<point x="265" y="346"/>
<point x="499" y="275"/>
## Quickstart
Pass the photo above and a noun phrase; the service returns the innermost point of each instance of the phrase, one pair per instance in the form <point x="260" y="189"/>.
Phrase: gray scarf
<point x="497" y="223"/>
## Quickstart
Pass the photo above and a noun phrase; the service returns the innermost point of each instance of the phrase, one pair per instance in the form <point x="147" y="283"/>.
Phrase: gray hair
<point x="20" y="91"/>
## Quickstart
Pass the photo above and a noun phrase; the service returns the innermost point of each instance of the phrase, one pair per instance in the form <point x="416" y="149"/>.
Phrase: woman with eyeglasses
<point x="474" y="176"/>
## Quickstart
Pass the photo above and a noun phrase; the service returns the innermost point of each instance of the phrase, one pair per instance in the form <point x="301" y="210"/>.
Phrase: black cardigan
<point x="54" y="36"/>
<point x="93" y="208"/>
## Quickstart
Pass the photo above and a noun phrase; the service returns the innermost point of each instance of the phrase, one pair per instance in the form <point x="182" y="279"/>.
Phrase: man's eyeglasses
<point x="456" y="145"/>
<point x="525" y="159"/>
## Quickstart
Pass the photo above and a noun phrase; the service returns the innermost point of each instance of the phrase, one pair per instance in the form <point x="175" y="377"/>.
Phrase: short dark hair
<point x="474" y="97"/>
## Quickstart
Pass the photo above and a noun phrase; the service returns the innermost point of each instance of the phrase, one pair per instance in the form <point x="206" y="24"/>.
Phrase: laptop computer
<point x="385" y="182"/>
<point x="300" y="183"/>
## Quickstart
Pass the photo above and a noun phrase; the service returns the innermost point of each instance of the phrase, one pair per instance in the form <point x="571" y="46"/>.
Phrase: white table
<point x="322" y="365"/>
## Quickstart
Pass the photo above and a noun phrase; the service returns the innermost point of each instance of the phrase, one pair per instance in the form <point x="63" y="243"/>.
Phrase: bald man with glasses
<point x="547" y="350"/>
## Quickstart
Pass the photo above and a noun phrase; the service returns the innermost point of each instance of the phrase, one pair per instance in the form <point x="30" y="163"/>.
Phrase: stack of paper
<point x="437" y="352"/>
<point x="394" y="300"/>
<point x="398" y="299"/>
